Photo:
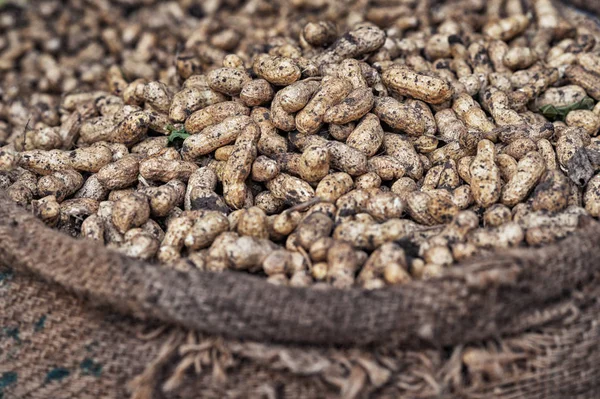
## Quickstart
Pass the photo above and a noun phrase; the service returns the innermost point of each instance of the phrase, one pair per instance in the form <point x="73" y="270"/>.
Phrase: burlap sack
<point x="78" y="321"/>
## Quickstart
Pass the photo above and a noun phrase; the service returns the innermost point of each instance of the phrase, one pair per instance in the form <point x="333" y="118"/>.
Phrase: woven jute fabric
<point x="80" y="321"/>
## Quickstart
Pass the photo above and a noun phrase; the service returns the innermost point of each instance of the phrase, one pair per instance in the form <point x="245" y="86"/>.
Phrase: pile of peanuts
<point x="329" y="145"/>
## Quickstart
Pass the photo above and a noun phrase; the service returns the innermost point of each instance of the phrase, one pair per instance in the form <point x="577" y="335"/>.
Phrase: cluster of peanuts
<point x="362" y="146"/>
<point x="52" y="47"/>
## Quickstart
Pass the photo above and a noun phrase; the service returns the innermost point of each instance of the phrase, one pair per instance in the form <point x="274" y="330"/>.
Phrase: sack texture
<point x="80" y="321"/>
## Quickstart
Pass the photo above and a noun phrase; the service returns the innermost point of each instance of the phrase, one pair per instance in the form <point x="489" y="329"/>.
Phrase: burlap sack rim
<point x="469" y="302"/>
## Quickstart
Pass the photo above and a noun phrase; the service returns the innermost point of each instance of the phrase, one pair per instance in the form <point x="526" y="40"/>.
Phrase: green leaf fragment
<point x="549" y="111"/>
<point x="177" y="134"/>
<point x="587" y="103"/>
<point x="560" y="113"/>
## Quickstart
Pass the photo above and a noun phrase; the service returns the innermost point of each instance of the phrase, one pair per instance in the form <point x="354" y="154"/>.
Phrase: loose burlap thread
<point x="80" y="321"/>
